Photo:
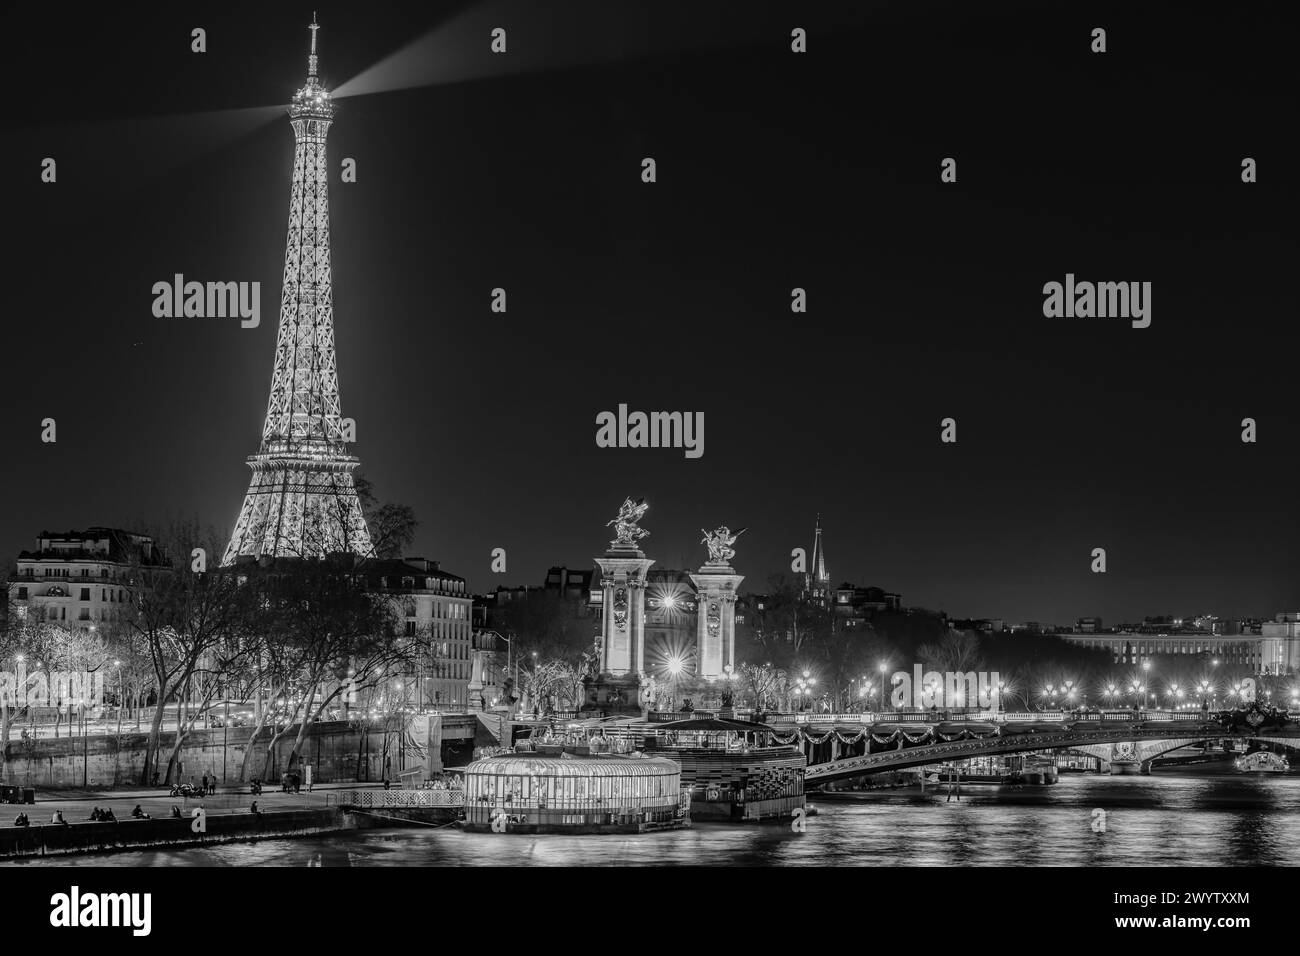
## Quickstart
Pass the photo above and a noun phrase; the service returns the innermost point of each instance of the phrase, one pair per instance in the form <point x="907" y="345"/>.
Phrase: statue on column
<point x="625" y="524"/>
<point x="720" y="543"/>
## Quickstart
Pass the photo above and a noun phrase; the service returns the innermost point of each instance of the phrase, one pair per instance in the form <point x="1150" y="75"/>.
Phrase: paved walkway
<point x="157" y="802"/>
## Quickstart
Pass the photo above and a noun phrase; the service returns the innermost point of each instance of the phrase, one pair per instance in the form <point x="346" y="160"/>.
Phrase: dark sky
<point x="775" y="171"/>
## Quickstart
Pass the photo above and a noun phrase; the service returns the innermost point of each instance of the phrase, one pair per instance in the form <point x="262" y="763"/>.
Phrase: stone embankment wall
<point x="336" y="751"/>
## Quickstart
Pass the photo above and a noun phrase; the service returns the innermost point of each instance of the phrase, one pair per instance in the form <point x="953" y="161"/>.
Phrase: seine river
<point x="1158" y="820"/>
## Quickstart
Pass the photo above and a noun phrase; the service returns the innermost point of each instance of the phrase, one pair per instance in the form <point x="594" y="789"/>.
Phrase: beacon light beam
<point x="556" y="36"/>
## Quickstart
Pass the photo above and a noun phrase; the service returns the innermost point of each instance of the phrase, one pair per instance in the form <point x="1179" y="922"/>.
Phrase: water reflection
<point x="1150" y="821"/>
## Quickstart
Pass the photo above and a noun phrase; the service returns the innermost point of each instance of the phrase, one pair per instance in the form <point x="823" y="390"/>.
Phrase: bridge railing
<point x="396" y="798"/>
<point x="982" y="716"/>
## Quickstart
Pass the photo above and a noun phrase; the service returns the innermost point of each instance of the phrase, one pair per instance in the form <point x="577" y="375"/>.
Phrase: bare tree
<point x="23" y="633"/>
<point x="73" y="650"/>
<point x="541" y="678"/>
<point x="331" y="635"/>
<point x="957" y="652"/>
<point x="788" y="627"/>
<point x="569" y="685"/>
<point x="392" y="526"/>
<point x="763" y="683"/>
<point x="180" y="617"/>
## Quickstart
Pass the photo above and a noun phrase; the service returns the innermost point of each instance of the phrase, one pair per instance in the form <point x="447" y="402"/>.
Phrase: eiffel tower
<point x="302" y="501"/>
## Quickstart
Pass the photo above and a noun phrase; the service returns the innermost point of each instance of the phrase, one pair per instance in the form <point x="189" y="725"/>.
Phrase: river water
<point x="1158" y="820"/>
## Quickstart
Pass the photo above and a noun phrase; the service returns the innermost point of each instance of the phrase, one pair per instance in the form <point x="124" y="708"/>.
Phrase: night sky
<point x="775" y="170"/>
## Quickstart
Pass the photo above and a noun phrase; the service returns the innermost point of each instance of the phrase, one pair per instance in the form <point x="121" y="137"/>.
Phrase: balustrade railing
<point x="985" y="716"/>
<point x="369" y="799"/>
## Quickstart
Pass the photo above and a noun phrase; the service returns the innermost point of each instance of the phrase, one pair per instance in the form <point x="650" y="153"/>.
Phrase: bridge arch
<point x="1157" y="739"/>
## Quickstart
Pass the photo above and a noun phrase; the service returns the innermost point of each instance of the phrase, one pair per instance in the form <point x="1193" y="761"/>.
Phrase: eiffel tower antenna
<point x="302" y="501"/>
<point x="311" y="60"/>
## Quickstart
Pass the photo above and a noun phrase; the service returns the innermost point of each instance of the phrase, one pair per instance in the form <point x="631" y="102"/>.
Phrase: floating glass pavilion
<point x="559" y="791"/>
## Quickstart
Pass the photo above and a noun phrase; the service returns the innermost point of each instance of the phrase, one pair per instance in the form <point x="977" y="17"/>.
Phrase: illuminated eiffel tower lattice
<point x="302" y="500"/>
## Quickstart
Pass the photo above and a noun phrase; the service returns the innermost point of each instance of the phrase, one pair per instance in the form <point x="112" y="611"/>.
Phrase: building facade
<point x="79" y="579"/>
<point x="855" y="606"/>
<point x="1273" y="650"/>
<point x="1280" y="643"/>
<point x="435" y="609"/>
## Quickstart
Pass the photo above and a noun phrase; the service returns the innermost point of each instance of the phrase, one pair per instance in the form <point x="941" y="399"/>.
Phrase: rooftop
<point x="573" y="765"/>
<point x="114" y="544"/>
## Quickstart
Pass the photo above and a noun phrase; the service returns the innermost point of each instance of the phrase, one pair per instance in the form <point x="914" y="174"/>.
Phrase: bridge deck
<point x="1166" y="735"/>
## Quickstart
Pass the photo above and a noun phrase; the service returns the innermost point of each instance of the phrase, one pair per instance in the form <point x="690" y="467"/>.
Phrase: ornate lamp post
<point x="883" y="668"/>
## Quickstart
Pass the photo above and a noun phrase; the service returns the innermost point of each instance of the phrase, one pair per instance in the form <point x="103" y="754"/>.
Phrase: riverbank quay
<point x="224" y="816"/>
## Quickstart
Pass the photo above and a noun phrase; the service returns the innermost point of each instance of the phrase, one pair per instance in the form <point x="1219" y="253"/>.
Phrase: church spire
<point x="819" y="579"/>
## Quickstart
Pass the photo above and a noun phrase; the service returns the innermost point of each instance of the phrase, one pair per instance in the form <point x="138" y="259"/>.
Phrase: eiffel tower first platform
<point x="302" y="501"/>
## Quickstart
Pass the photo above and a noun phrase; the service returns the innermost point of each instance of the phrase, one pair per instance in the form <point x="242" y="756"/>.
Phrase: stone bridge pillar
<point x="715" y="631"/>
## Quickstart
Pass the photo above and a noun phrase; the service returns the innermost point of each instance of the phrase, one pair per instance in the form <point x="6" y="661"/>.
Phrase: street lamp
<point x="674" y="666"/>
<point x="510" y="646"/>
<point x="121" y="699"/>
<point x="883" y="668"/>
<point x="803" y="688"/>
<point x="85" y="741"/>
